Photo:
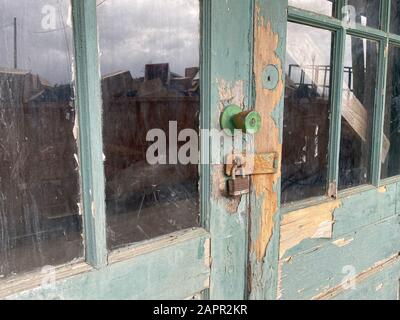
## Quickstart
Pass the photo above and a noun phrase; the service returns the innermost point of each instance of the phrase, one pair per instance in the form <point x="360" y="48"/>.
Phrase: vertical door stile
<point x="270" y="21"/>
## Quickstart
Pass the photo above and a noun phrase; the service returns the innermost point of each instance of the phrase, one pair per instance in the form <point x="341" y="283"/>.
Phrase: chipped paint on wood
<point x="230" y="79"/>
<point x="231" y="93"/>
<point x="343" y="242"/>
<point x="268" y="139"/>
<point x="382" y="189"/>
<point x="228" y="93"/>
<point x="146" y="275"/>
<point x="359" y="278"/>
<point x="269" y="54"/>
<point x="310" y="223"/>
<point x="366" y="231"/>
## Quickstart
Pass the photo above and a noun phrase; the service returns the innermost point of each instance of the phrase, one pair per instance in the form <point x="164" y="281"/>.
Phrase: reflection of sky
<point x="312" y="46"/>
<point x="134" y="33"/>
<point x="307" y="46"/>
<point x="41" y="51"/>
<point x="319" y="6"/>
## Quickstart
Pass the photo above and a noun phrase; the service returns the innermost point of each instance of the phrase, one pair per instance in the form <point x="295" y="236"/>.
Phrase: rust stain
<point x="310" y="223"/>
<point x="268" y="139"/>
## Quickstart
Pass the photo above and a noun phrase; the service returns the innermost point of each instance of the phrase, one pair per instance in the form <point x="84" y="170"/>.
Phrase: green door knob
<point x="234" y="118"/>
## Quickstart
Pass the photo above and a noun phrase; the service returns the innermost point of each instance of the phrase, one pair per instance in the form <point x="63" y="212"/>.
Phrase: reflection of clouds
<point x="308" y="45"/>
<point x="319" y="6"/>
<point x="133" y="33"/>
<point x="48" y="53"/>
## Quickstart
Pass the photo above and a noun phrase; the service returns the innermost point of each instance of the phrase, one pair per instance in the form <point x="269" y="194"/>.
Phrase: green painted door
<point x="105" y="105"/>
<point x="327" y="226"/>
<point x="104" y="194"/>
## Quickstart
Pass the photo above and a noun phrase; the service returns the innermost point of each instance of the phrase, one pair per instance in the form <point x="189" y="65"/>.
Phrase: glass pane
<point x="307" y="112"/>
<point x="40" y="223"/>
<point x="325" y="7"/>
<point x="366" y="12"/>
<point x="150" y="69"/>
<point x="395" y="17"/>
<point x="391" y="143"/>
<point x="359" y="86"/>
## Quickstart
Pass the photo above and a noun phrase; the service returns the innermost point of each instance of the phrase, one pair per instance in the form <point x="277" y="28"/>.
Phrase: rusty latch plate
<point x="253" y="164"/>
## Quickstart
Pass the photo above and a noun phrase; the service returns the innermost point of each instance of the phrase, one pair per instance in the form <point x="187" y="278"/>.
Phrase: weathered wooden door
<point x="326" y="77"/>
<point x="99" y="196"/>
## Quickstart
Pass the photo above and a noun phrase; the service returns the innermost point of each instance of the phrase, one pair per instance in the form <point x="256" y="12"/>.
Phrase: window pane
<point x="367" y="12"/>
<point x="39" y="185"/>
<point x="395" y="17"/>
<point x="307" y="112"/>
<point x="150" y="69"/>
<point x="391" y="144"/>
<point x="359" y="86"/>
<point x="318" y="6"/>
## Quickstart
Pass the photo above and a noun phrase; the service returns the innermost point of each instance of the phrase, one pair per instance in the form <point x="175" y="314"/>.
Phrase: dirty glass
<point x="365" y="12"/>
<point x="307" y="112"/>
<point x="325" y="7"/>
<point x="395" y="17"/>
<point x="40" y="223"/>
<point x="359" y="86"/>
<point x="391" y="139"/>
<point x="151" y="99"/>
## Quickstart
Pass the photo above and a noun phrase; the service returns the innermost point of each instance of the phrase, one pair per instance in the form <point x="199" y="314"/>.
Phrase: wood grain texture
<point x="269" y="53"/>
<point x="366" y="235"/>
<point x="267" y="140"/>
<point x="314" y="222"/>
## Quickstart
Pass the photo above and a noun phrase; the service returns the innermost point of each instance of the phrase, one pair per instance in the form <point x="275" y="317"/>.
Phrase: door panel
<point x="364" y="241"/>
<point x="148" y="272"/>
<point x="345" y="245"/>
<point x="176" y="265"/>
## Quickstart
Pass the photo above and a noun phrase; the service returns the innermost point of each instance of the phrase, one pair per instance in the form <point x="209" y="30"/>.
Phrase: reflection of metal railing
<point x="320" y="78"/>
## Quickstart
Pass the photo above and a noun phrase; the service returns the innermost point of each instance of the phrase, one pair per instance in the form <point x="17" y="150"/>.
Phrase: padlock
<point x="238" y="186"/>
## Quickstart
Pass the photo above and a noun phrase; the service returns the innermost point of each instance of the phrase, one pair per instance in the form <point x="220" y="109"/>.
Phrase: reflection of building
<point x="37" y="150"/>
<point x="133" y="107"/>
<point x="158" y="81"/>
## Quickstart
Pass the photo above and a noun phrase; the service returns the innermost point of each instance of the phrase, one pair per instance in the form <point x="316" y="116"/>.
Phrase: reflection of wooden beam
<point x="356" y="116"/>
<point x="353" y="110"/>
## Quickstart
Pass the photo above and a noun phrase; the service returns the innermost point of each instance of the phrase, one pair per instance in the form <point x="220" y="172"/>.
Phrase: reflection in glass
<point x="391" y="142"/>
<point x="359" y="88"/>
<point x="367" y="12"/>
<point x="307" y="112"/>
<point x="395" y="17"/>
<point x="39" y="185"/>
<point x="150" y="69"/>
<point x="325" y="7"/>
